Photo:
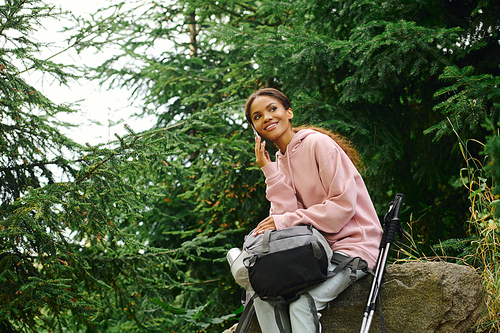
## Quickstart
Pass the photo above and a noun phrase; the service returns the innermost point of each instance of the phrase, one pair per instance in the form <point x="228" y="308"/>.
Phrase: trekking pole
<point x="391" y="225"/>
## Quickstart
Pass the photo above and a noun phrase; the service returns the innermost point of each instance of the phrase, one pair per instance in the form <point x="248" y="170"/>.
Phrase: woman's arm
<point x="284" y="198"/>
<point x="281" y="196"/>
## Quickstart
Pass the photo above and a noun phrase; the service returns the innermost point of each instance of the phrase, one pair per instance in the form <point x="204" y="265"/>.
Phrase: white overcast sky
<point x="95" y="104"/>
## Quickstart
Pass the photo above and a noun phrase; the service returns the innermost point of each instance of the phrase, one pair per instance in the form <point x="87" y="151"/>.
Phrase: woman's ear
<point x="289" y="113"/>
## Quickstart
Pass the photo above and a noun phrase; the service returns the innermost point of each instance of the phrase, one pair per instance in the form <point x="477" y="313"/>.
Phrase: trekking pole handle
<point x="391" y="220"/>
<point x="395" y="224"/>
<point x="398" y="201"/>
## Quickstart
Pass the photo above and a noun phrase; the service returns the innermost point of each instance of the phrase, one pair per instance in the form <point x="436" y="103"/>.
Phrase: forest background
<point x="131" y="235"/>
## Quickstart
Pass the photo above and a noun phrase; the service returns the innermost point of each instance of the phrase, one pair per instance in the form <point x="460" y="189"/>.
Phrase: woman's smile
<point x="271" y="126"/>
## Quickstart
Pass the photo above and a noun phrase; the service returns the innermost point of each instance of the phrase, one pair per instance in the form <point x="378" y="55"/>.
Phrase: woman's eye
<point x="256" y="118"/>
<point x="273" y="109"/>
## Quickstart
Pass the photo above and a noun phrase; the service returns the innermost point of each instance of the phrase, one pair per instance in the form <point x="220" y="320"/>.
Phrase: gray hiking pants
<point x="302" y="315"/>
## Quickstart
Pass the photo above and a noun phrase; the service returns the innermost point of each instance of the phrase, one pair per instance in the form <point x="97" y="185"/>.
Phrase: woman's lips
<point x="270" y="126"/>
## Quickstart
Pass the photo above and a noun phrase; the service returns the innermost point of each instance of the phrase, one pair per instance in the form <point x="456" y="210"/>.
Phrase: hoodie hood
<point x="295" y="143"/>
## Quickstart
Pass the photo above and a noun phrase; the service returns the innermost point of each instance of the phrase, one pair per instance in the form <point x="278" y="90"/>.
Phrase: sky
<point x="95" y="103"/>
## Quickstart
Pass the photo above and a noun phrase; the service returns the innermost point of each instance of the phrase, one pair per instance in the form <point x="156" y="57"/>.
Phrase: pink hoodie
<point x="316" y="183"/>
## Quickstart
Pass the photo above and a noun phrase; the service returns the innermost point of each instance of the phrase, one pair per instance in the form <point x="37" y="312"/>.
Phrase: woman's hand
<point x="261" y="154"/>
<point x="266" y="224"/>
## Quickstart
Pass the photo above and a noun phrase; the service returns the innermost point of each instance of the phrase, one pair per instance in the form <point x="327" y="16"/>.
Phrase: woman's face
<point x="269" y="117"/>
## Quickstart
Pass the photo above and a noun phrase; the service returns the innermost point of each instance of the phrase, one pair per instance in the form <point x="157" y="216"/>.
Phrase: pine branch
<point x="57" y="161"/>
<point x="52" y="56"/>
<point x="21" y="4"/>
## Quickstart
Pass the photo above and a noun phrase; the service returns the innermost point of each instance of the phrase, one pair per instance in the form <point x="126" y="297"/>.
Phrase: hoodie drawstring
<point x="289" y="168"/>
<point x="291" y="175"/>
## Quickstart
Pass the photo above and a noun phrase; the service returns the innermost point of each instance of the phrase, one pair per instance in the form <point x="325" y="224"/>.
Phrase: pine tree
<point x="72" y="256"/>
<point x="32" y="148"/>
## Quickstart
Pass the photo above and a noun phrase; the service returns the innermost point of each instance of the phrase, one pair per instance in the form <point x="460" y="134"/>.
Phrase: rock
<point x="416" y="297"/>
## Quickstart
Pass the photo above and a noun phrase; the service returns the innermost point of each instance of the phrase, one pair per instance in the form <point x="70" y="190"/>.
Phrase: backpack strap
<point x="312" y="303"/>
<point x="277" y="316"/>
<point x="246" y="316"/>
<point x="354" y="263"/>
<point x="266" y="240"/>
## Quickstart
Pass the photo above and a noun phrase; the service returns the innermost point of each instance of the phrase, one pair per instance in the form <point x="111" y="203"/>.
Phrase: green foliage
<point x="192" y="315"/>
<point x="73" y="254"/>
<point x="31" y="146"/>
<point x="472" y="100"/>
<point x="492" y="151"/>
<point x="90" y="245"/>
<point x="371" y="70"/>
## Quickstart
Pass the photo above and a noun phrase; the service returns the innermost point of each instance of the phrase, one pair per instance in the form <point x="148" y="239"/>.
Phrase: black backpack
<point x="296" y="258"/>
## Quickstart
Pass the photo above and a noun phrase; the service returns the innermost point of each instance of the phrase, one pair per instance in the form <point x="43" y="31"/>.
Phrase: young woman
<point x="314" y="181"/>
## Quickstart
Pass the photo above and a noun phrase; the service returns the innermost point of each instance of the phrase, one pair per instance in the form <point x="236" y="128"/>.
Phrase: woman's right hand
<point x="265" y="224"/>
<point x="261" y="154"/>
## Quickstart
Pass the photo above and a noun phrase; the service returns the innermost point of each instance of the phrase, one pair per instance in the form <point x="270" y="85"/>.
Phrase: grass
<point x="483" y="253"/>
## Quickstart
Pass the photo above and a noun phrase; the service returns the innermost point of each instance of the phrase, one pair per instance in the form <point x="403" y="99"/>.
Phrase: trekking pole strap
<point x="382" y="322"/>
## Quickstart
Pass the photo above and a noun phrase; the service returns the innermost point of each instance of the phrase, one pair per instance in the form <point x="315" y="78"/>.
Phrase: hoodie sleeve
<point x="281" y="195"/>
<point x="337" y="176"/>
